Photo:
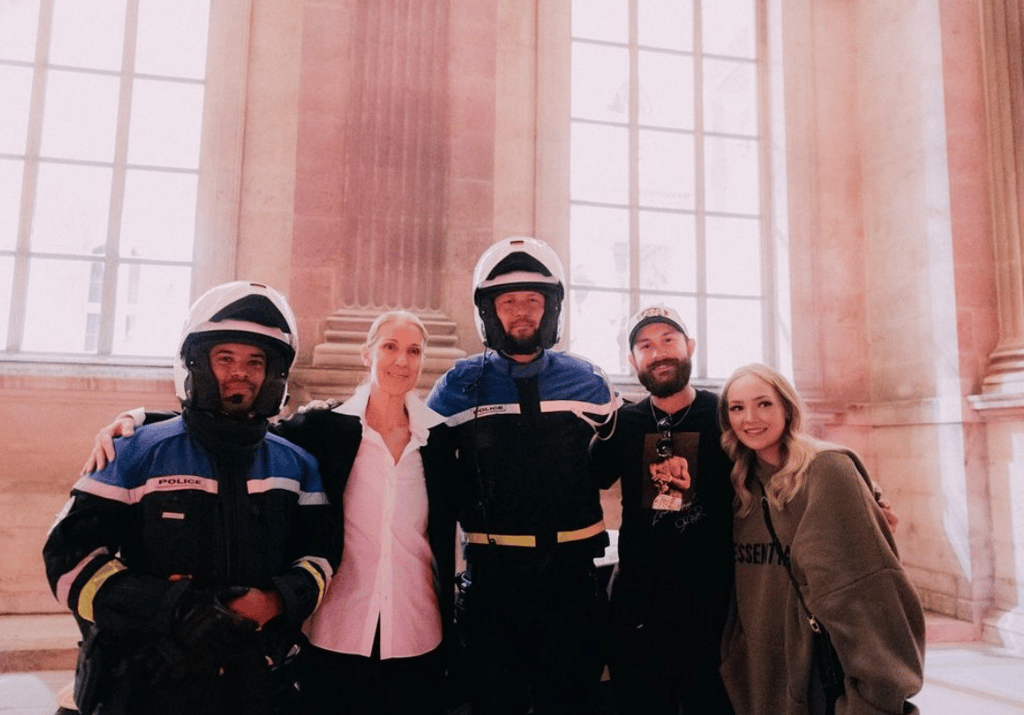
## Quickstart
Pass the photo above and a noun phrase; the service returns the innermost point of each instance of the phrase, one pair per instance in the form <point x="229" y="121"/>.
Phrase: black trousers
<point x="344" y="684"/>
<point x="534" y="638"/>
<point x="664" y="654"/>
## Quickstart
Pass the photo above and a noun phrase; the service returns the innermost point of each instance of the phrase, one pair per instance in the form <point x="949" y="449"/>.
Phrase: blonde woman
<point x="376" y="640"/>
<point x="810" y="541"/>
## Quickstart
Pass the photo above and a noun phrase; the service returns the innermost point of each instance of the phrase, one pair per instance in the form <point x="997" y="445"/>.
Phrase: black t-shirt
<point x="675" y="562"/>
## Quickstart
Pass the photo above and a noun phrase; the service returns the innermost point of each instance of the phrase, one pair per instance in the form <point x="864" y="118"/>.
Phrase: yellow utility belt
<point x="530" y="541"/>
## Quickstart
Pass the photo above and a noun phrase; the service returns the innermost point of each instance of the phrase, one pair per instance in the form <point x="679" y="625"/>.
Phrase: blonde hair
<point x="393" y="316"/>
<point x="796" y="447"/>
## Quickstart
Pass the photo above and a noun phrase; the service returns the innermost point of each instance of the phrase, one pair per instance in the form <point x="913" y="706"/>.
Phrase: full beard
<point x="670" y="385"/>
<point x="527" y="345"/>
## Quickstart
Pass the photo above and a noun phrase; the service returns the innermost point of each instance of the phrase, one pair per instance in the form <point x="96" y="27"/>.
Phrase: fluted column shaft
<point x="1002" y="34"/>
<point x="395" y="153"/>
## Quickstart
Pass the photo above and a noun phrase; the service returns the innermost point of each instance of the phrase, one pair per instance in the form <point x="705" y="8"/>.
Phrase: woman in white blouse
<point x="376" y="640"/>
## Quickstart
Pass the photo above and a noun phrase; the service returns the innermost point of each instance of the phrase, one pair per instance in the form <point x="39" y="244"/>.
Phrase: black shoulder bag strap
<point x="829" y="668"/>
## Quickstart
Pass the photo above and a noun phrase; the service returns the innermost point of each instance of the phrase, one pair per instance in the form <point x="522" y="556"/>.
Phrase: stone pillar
<point x="1002" y="33"/>
<point x="376" y="149"/>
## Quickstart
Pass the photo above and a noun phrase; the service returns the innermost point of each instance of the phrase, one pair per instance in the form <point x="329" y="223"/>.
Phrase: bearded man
<point x="671" y="594"/>
<point x="523" y="417"/>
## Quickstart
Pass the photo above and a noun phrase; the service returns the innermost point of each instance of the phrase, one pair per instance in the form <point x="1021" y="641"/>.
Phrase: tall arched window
<point x="669" y="193"/>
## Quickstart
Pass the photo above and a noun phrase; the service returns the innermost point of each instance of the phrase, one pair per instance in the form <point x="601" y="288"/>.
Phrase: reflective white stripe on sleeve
<point x="164" y="483"/>
<point x="261" y="486"/>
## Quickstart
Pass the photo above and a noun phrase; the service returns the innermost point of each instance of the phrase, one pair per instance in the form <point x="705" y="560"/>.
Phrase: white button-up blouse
<point x="387" y="570"/>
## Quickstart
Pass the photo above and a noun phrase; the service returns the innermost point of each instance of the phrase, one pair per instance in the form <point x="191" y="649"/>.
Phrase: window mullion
<point x="30" y="173"/>
<point x="699" y="184"/>
<point x="634" y="158"/>
<point x="769" y="258"/>
<point x="112" y="253"/>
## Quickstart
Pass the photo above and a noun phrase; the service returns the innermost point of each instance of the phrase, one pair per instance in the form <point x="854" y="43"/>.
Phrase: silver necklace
<point x="666" y="423"/>
<point x="665" y="445"/>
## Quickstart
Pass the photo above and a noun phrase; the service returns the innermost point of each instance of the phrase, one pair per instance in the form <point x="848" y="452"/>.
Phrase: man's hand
<point x="258" y="606"/>
<point x="329" y="404"/>
<point x="103" y="444"/>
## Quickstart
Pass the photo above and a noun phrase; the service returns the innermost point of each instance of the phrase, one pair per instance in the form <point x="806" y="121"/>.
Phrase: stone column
<point x="382" y="115"/>
<point x="1002" y="33"/>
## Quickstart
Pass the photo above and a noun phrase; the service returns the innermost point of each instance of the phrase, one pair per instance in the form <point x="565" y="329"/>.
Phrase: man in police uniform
<point x="523" y="418"/>
<point x="192" y="560"/>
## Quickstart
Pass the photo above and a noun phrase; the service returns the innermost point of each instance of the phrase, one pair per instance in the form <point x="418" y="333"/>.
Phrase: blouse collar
<point x="421" y="417"/>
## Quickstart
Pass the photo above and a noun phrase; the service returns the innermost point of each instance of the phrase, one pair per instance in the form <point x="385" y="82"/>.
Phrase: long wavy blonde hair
<point x="797" y="448"/>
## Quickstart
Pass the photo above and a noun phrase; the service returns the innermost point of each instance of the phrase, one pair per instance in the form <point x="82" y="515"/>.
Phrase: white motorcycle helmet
<point x="518" y="263"/>
<point x="236" y="312"/>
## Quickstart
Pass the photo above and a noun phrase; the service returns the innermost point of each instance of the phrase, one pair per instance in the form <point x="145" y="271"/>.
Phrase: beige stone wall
<point x="1004" y="622"/>
<point x="921" y="427"/>
<point x="49" y="422"/>
<point x="894" y="282"/>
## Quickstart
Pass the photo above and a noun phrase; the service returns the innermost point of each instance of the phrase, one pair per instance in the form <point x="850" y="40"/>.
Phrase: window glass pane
<point x="6" y="279"/>
<point x="18" y="28"/>
<point x="87" y="33"/>
<point x="666" y="170"/>
<point x="687" y="309"/>
<point x="666" y="90"/>
<point x="172" y="38"/>
<point x="668" y="252"/>
<point x="600" y="20"/>
<point x="72" y="208"/>
<point x="666" y="24"/>
<point x="728" y="28"/>
<point x="166" y="123"/>
<point x="599" y="246"/>
<point x="148" y="322"/>
<point x="80" y="117"/>
<point x="599" y="320"/>
<point x="730" y="97"/>
<point x="56" y="318"/>
<point x="734" y="335"/>
<point x="599" y="164"/>
<point x="600" y="82"/>
<point x="10" y="203"/>
<point x="734" y="256"/>
<point x="159" y="216"/>
<point x="731" y="168"/>
<point x="15" y="94"/>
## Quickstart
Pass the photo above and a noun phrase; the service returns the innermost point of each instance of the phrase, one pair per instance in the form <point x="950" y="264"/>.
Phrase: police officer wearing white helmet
<point x="191" y="561"/>
<point x="523" y="417"/>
